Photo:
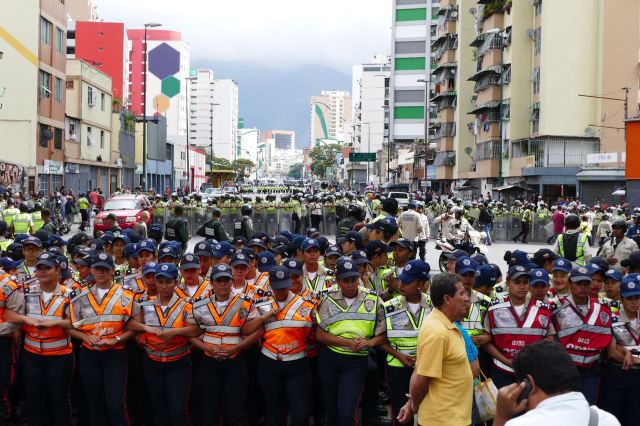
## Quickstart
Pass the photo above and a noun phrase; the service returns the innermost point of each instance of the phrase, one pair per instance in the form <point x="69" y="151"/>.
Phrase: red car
<point x="127" y="208"/>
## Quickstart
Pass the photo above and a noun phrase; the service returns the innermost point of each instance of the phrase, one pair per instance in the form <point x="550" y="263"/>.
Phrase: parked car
<point x="230" y="190"/>
<point x="127" y="208"/>
<point x="403" y="198"/>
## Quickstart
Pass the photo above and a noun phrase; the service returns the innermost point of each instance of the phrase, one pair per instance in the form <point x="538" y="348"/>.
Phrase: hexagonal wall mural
<point x="161" y="103"/>
<point x="164" y="61"/>
<point x="170" y="86"/>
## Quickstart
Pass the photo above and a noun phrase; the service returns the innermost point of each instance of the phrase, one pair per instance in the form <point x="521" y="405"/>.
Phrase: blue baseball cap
<point x="279" y="278"/>
<point x="190" y="261"/>
<point x="167" y="251"/>
<point x="539" y="275"/>
<point x="223" y="248"/>
<point x="295" y="266"/>
<point x="221" y="270"/>
<point x="562" y="264"/>
<point x="614" y="275"/>
<point x="167" y="270"/>
<point x="346" y="269"/>
<point x="415" y="270"/>
<point x="203" y="248"/>
<point x="47" y="259"/>
<point x="402" y="242"/>
<point x="456" y="254"/>
<point x="149" y="268"/>
<point x="517" y="272"/>
<point x="97" y="245"/>
<point x="63" y="262"/>
<point x="480" y="259"/>
<point x="123" y="237"/>
<point x="239" y="259"/>
<point x="519" y="257"/>
<point x="333" y="251"/>
<point x="310" y="243"/>
<point x="579" y="274"/>
<point x="56" y="241"/>
<point x="107" y="237"/>
<point x="376" y="247"/>
<point x="131" y="250"/>
<point x="487" y="275"/>
<point x="465" y="264"/>
<point x="35" y="241"/>
<point x="257" y="242"/>
<point x="359" y="257"/>
<point x="296" y="242"/>
<point x="353" y="237"/>
<point x="146" y="245"/>
<point x="103" y="260"/>
<point x="240" y="240"/>
<point x="266" y="261"/>
<point x="630" y="286"/>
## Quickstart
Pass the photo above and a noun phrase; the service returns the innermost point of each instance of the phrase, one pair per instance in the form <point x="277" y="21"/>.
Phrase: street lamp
<point x="144" y="110"/>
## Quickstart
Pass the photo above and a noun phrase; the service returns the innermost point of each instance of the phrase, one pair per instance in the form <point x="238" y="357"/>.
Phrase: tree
<point x="241" y="165"/>
<point x="295" y="170"/>
<point x="323" y="156"/>
<point x="219" y="163"/>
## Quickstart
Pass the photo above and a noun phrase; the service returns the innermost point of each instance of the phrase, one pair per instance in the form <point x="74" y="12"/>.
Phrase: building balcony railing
<point x="445" y="158"/>
<point x="556" y="152"/>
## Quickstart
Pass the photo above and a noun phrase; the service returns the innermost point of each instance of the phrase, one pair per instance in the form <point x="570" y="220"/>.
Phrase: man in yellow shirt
<point x="441" y="388"/>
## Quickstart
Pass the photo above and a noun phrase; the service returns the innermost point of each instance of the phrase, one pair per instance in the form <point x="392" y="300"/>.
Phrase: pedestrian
<point x="141" y="226"/>
<point x="485" y="219"/>
<point x="99" y="315"/>
<point x="83" y="205"/>
<point x="441" y="389"/>
<point x="619" y="247"/>
<point x="525" y="221"/>
<point x="426" y="232"/>
<point x="11" y="298"/>
<point x="350" y="321"/>
<point x="410" y="224"/>
<point x="558" y="224"/>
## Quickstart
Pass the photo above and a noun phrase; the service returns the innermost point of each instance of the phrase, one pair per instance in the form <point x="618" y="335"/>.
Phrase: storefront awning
<point x="511" y="187"/>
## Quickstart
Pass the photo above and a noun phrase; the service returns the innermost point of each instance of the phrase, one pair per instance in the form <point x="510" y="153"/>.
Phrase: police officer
<point x="514" y="322"/>
<point x="583" y="326"/>
<point x="166" y="364"/>
<point x="176" y="228"/>
<point x="214" y="228"/>
<point x="621" y="375"/>
<point x="572" y="244"/>
<point x="99" y="315"/>
<point x="11" y="298"/>
<point x="243" y="227"/>
<point x="10" y="212"/>
<point x="284" y="373"/>
<point x="22" y="223"/>
<point x="47" y="355"/>
<point x="354" y="216"/>
<point x="404" y="316"/>
<point x="350" y="321"/>
<point x="36" y="217"/>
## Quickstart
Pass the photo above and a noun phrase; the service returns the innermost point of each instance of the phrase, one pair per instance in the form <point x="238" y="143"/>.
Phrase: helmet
<point x="23" y="208"/>
<point x="37" y="206"/>
<point x="572" y="221"/>
<point x="246" y="210"/>
<point x="259" y="198"/>
<point x="355" y="211"/>
<point x="619" y="224"/>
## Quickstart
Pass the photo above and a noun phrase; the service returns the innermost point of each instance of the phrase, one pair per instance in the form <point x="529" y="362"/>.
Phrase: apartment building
<point x="512" y="110"/>
<point x="330" y="115"/>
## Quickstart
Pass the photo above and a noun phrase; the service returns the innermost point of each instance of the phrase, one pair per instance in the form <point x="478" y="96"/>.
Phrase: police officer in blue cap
<point x="621" y="375"/>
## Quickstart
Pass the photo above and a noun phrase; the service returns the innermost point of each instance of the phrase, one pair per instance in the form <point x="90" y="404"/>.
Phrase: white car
<point x="403" y="198"/>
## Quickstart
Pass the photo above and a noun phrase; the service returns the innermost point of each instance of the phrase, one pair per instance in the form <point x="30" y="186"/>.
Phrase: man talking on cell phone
<point x="548" y="390"/>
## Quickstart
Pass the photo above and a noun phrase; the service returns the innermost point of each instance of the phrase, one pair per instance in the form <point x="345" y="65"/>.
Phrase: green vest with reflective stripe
<point x="473" y="322"/>
<point x="351" y="323"/>
<point x="9" y="214"/>
<point x="402" y="329"/>
<point x="21" y="223"/>
<point x="582" y="240"/>
<point x="38" y="223"/>
<point x="5" y="244"/>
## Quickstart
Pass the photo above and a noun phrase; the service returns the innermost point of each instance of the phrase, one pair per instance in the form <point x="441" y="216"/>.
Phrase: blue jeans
<point x="487" y="227"/>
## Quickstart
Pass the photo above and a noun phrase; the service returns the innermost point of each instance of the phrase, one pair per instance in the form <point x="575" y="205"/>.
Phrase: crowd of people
<point x="123" y="328"/>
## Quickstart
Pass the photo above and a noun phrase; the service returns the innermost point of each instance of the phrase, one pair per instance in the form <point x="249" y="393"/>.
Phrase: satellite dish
<point x="473" y="11"/>
<point x="468" y="150"/>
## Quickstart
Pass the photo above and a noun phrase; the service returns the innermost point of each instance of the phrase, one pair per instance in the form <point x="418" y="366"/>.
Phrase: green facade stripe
<point x="410" y="63"/>
<point x="408" y="112"/>
<point x="322" y="121"/>
<point x="403" y="15"/>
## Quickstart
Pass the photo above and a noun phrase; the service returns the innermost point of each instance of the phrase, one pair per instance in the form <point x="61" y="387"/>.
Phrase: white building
<point x="201" y="84"/>
<point x="328" y="114"/>
<point x="282" y="159"/>
<point x="225" y="118"/>
<point x="248" y="140"/>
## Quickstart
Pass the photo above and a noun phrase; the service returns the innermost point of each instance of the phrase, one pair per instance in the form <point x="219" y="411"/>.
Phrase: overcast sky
<point x="275" y="33"/>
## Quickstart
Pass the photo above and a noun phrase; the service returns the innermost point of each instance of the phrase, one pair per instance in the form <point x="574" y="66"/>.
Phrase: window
<point x="537" y="5"/>
<point x="89" y="136"/>
<point x="59" y="40"/>
<point x="57" y="138"/>
<point x="101" y="138"/>
<point x="538" y="41"/>
<point x="45" y="135"/>
<point x="45" y="31"/>
<point x="59" y="90"/>
<point x="91" y="96"/>
<point x="69" y="84"/>
<point x="102" y="101"/>
<point x="45" y="84"/>
<point x="535" y="118"/>
<point x="536" y="80"/>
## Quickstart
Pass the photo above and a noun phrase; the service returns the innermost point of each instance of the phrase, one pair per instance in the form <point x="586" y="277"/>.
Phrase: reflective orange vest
<point x="202" y="291"/>
<point x="48" y="341"/>
<point x="107" y="319"/>
<point x="313" y="348"/>
<point x="176" y="317"/>
<point x="7" y="287"/>
<point x="262" y="282"/>
<point x="224" y="329"/>
<point x="286" y="335"/>
<point x="132" y="282"/>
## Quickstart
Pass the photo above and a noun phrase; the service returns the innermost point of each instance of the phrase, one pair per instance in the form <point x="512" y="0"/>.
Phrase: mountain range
<point x="274" y="99"/>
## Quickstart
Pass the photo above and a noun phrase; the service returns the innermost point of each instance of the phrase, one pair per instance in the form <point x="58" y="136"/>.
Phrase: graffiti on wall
<point x="11" y="175"/>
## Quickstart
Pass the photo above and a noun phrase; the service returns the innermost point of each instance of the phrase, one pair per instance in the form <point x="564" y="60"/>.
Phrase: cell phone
<point x="526" y="391"/>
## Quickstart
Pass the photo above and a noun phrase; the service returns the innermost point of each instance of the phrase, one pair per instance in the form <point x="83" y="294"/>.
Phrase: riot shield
<point x="329" y="224"/>
<point x="515" y="226"/>
<point x="540" y="229"/>
<point x="259" y="217"/>
<point x="199" y="217"/>
<point x="271" y="221"/>
<point x="188" y="218"/>
<point x="284" y="219"/>
<point x="159" y="215"/>
<point x="434" y="228"/>
<point x="501" y="228"/>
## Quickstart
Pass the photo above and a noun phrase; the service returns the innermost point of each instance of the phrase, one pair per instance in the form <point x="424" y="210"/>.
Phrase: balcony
<point x="517" y="164"/>
<point x="487" y="168"/>
<point x="489" y="131"/>
<point x="446" y="57"/>
<point x="445" y="144"/>
<point x="446" y="116"/>
<point x="445" y="158"/>
<point x="494" y="20"/>
<point x="445" y="3"/>
<point x="491" y="58"/>
<point x="489" y="93"/>
<point x="444" y="172"/>
<point x="447" y="27"/>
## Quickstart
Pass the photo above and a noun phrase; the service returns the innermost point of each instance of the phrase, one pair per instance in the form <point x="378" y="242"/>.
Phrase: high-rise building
<point x="329" y="113"/>
<point x="201" y="99"/>
<point x="225" y="118"/>
<point x="81" y="10"/>
<point x="33" y="76"/>
<point x="284" y="139"/>
<point x="248" y="141"/>
<point x="370" y="90"/>
<point x="168" y="58"/>
<point x="510" y="114"/>
<point x="103" y="45"/>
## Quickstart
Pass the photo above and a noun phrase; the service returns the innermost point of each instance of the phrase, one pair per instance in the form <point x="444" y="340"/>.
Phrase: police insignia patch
<point x="407" y="268"/>
<point x="348" y="265"/>
<point x="124" y="301"/>
<point x="604" y="317"/>
<point x="280" y="274"/>
<point x="242" y="313"/>
<point x="6" y="289"/>
<point x="368" y="305"/>
<point x="304" y="312"/>
<point x="543" y="320"/>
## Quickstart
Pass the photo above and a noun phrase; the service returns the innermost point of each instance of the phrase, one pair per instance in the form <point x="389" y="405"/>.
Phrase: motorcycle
<point x="469" y="241"/>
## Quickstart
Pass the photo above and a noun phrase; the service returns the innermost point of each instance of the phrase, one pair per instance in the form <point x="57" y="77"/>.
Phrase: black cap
<point x="346" y="269"/>
<point x="103" y="260"/>
<point x="279" y="278"/>
<point x="377" y="247"/>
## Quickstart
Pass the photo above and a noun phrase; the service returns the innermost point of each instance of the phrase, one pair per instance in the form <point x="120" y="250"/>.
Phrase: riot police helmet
<point x="572" y="221"/>
<point x="246" y="210"/>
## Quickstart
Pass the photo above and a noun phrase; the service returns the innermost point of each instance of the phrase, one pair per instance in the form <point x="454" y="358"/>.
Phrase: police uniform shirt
<point x="325" y="312"/>
<point x="137" y="308"/>
<point x="400" y="302"/>
<point x="632" y="323"/>
<point x="190" y="290"/>
<point x="620" y="250"/>
<point x="15" y="302"/>
<point x="521" y="311"/>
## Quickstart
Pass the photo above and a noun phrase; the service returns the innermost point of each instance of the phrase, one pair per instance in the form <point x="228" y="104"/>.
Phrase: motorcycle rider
<point x="454" y="225"/>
